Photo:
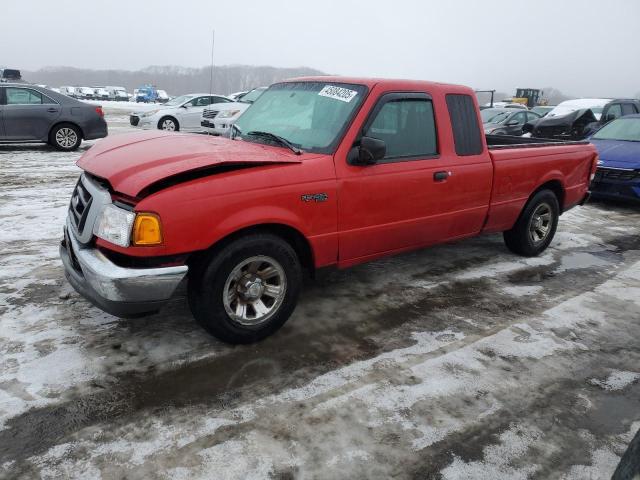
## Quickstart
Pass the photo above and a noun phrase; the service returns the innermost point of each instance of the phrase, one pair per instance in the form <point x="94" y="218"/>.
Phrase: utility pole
<point x="213" y="41"/>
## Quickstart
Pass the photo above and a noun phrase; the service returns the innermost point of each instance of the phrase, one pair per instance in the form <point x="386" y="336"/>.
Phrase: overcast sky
<point x="584" y="48"/>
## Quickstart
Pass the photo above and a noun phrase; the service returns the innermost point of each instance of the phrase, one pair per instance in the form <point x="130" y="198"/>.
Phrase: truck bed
<point x="522" y="165"/>
<point x="501" y="142"/>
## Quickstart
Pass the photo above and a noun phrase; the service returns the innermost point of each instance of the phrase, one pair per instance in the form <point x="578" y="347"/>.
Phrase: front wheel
<point x="169" y="124"/>
<point x="537" y="224"/>
<point x="248" y="290"/>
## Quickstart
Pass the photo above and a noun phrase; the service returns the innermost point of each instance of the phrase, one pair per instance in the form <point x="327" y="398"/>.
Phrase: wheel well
<point x="556" y="187"/>
<point x="168" y="116"/>
<point x="66" y="123"/>
<point x="289" y="234"/>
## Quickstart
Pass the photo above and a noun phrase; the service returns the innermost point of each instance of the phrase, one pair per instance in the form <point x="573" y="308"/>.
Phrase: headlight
<point x="228" y="113"/>
<point x="114" y="225"/>
<point x="149" y="113"/>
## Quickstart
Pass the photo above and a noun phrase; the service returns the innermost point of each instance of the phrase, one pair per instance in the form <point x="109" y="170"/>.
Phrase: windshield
<point x="310" y="115"/>
<point x="541" y="110"/>
<point x="626" y="129"/>
<point x="178" y="100"/>
<point x="489" y="113"/>
<point x="499" y="117"/>
<point x="252" y="96"/>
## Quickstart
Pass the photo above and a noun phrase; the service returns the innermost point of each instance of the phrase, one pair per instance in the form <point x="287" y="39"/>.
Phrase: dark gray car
<point x="506" y="121"/>
<point x="29" y="113"/>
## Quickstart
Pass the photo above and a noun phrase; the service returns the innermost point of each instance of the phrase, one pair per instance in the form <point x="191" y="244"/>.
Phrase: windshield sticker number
<point x="338" y="93"/>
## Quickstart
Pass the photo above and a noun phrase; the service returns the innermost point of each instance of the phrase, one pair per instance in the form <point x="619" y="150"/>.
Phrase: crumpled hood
<point x="569" y="119"/>
<point x="132" y="162"/>
<point x="617" y="153"/>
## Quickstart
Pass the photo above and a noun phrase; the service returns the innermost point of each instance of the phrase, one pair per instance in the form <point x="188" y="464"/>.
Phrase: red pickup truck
<point x="318" y="172"/>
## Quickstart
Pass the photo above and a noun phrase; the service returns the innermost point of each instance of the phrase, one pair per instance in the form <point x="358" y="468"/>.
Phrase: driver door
<point x="515" y="123"/>
<point x="192" y="113"/>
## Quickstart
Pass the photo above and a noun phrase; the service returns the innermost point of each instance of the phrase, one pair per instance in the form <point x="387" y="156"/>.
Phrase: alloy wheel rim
<point x="168" y="125"/>
<point x="66" y="137"/>
<point x="254" y="290"/>
<point x="540" y="223"/>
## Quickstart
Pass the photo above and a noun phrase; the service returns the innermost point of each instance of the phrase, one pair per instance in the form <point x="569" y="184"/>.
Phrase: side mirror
<point x="511" y="123"/>
<point x="369" y="152"/>
<point x="186" y="105"/>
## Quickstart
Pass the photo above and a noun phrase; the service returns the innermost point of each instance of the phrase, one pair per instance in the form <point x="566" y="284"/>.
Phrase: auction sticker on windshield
<point x="338" y="93"/>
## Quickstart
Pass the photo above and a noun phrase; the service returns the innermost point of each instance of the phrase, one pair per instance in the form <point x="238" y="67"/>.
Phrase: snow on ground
<point x="461" y="361"/>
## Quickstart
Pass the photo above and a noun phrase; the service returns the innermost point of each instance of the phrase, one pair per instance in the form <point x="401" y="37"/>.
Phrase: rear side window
<point x="464" y="121"/>
<point x="406" y="125"/>
<point x="628" y="109"/>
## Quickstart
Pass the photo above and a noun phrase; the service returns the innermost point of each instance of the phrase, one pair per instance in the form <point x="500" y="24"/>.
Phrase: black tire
<point x="66" y="137"/>
<point x="161" y="124"/>
<point x="525" y="238"/>
<point x="209" y="280"/>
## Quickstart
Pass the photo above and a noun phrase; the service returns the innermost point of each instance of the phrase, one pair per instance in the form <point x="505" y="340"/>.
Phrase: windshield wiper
<point x="277" y="138"/>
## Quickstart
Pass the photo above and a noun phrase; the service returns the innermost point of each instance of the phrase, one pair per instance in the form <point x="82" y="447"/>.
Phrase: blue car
<point x="618" y="173"/>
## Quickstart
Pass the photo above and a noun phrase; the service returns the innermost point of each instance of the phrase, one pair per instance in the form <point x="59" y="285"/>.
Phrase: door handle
<point x="52" y="110"/>
<point x="441" y="176"/>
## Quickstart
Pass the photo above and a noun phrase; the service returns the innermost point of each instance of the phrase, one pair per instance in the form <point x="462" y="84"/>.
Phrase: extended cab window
<point x="464" y="121"/>
<point x="407" y="126"/>
<point x="25" y="96"/>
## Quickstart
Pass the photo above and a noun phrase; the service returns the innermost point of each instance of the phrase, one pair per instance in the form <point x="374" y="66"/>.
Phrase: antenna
<point x="213" y="41"/>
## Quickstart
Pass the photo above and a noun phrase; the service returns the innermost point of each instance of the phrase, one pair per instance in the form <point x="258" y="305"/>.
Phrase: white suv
<point x="216" y="120"/>
<point x="183" y="113"/>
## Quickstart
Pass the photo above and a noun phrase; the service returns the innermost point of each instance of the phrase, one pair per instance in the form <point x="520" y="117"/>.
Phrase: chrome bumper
<point x="120" y="291"/>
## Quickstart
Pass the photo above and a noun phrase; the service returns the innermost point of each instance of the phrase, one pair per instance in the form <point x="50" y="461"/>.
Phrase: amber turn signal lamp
<point x="147" y="230"/>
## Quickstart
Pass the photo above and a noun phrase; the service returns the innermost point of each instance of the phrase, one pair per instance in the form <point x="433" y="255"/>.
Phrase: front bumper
<point x="143" y="122"/>
<point x="215" y="128"/>
<point x="619" y="189"/>
<point x="123" y="292"/>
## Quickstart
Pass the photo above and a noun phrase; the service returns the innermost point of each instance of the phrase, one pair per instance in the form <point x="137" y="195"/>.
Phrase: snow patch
<point x="617" y="380"/>
<point x="497" y="459"/>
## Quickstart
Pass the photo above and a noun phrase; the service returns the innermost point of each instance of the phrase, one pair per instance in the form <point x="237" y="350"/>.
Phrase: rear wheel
<point x="537" y="224"/>
<point x="169" y="124"/>
<point x="65" y="137"/>
<point x="246" y="291"/>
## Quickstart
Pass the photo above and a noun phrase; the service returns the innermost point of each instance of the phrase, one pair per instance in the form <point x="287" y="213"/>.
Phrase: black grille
<point x="79" y="206"/>
<point x="209" y="114"/>
<point x="616" y="174"/>
<point x="134" y="120"/>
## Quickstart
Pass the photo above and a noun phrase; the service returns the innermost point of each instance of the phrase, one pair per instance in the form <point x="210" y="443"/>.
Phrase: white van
<point x="163" y="97"/>
<point x="100" y="93"/>
<point x="84" y="93"/>
<point x="69" y="91"/>
<point x="119" y="94"/>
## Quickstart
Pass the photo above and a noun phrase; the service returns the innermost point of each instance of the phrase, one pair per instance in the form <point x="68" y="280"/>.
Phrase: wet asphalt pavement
<point x="461" y="361"/>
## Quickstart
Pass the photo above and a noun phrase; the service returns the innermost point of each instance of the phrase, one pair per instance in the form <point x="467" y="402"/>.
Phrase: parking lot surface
<point x="460" y="361"/>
